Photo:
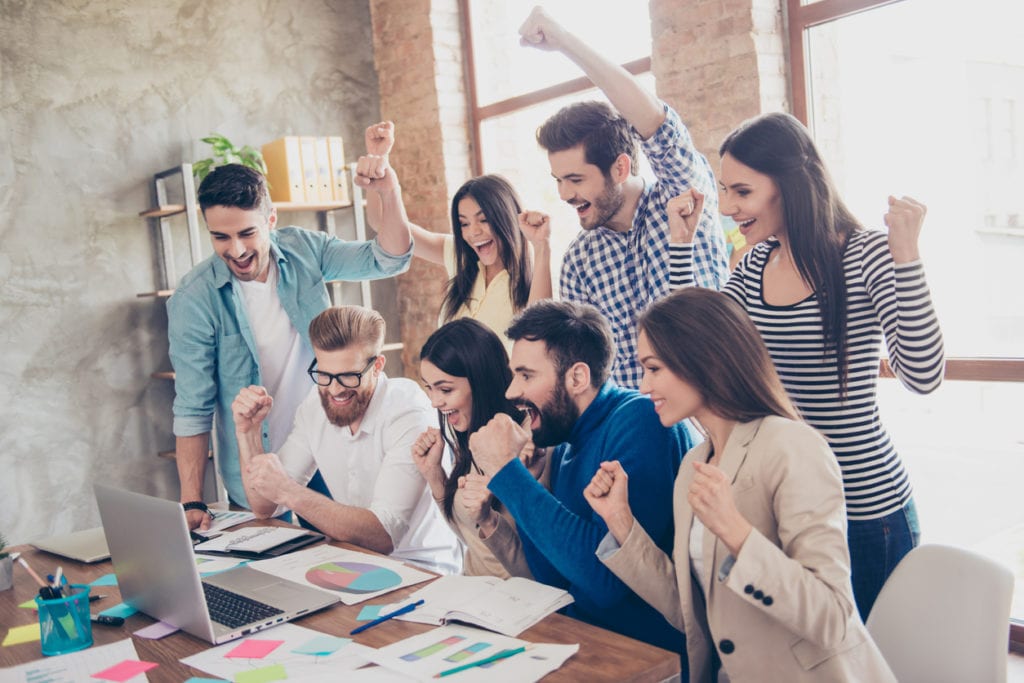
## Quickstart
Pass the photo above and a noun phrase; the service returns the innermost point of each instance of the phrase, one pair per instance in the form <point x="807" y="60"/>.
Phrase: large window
<point x="926" y="99"/>
<point x="516" y="89"/>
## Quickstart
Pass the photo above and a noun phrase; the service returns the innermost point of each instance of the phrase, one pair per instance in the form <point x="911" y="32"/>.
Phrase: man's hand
<point x="497" y="443"/>
<point x="541" y="31"/>
<point x="380" y="138"/>
<point x="197" y="519"/>
<point x="535" y="226"/>
<point x="269" y="478"/>
<point x="250" y="408"/>
<point x="373" y="172"/>
<point x="426" y="455"/>
<point x="904" y="220"/>
<point x="608" y="494"/>
<point x="684" y="216"/>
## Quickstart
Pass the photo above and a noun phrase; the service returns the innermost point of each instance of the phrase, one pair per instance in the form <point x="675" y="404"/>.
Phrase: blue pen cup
<point x="64" y="623"/>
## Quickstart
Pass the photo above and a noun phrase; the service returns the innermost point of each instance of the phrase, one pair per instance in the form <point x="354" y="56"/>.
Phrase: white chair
<point x="943" y="615"/>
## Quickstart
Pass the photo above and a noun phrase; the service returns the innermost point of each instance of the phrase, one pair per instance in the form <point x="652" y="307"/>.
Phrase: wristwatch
<point x="195" y="505"/>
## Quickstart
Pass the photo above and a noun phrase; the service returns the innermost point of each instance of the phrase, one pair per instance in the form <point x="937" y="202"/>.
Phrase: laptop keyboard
<point x="234" y="610"/>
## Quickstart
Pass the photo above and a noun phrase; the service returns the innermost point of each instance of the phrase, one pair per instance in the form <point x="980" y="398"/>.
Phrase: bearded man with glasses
<point x="346" y="468"/>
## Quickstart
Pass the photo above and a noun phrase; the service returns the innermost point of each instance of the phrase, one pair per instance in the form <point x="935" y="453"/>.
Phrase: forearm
<point x="191" y="454"/>
<point x="640" y="107"/>
<point x="249" y="446"/>
<point x="540" y="286"/>
<point x="341" y="522"/>
<point x="393" y="232"/>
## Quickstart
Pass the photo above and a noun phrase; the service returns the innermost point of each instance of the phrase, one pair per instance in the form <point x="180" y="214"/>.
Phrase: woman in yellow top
<point x="492" y="272"/>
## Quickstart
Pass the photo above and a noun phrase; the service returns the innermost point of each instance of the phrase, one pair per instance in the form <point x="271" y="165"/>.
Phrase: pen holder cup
<point x="64" y="623"/>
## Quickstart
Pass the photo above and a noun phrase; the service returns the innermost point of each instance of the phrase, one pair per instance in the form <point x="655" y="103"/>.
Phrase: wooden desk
<point x="603" y="655"/>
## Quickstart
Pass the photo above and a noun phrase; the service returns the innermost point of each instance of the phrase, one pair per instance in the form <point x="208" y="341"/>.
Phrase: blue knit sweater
<point x="559" y="530"/>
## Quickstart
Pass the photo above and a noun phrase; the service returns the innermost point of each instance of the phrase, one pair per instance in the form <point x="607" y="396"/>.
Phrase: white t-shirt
<point x="281" y="355"/>
<point x="373" y="469"/>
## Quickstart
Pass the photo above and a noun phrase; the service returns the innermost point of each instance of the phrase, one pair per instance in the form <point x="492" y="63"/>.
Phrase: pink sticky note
<point x="129" y="668"/>
<point x="254" y="649"/>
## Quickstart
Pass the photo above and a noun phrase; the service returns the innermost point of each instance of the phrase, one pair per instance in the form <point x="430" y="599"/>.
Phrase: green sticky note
<point x="68" y="623"/>
<point x="22" y="634"/>
<point x="28" y="604"/>
<point x="263" y="675"/>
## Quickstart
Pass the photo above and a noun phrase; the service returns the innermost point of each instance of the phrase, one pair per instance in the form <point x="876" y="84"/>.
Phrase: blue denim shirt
<point x="212" y="348"/>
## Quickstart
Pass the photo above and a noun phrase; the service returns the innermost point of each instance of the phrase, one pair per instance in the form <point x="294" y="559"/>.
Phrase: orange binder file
<point x="284" y="169"/>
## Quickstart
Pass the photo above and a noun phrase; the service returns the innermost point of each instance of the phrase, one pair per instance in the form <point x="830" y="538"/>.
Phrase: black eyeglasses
<point x="349" y="380"/>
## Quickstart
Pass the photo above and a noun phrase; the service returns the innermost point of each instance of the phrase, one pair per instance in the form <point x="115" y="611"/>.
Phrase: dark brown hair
<point x="236" y="186"/>
<point x="602" y="131"/>
<point x="708" y="340"/>
<point x="818" y="224"/>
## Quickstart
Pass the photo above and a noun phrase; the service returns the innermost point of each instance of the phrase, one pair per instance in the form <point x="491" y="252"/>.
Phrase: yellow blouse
<point x="490" y="304"/>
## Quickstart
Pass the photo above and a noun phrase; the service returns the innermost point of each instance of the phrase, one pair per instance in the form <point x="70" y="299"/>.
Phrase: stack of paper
<point x="508" y="606"/>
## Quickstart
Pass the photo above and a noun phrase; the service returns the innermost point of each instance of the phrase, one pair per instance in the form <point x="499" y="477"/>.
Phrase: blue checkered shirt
<point x="620" y="273"/>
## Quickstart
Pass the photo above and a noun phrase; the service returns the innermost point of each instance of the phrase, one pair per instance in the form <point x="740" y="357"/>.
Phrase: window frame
<point x="800" y="18"/>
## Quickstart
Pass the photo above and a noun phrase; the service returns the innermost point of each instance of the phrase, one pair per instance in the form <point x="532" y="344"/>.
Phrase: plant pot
<point x="6" y="573"/>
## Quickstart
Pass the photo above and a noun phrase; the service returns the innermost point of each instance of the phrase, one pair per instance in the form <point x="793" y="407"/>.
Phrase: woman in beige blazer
<point x="759" y="578"/>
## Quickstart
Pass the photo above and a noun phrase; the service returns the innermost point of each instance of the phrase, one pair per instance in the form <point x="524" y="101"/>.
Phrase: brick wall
<point x="418" y="54"/>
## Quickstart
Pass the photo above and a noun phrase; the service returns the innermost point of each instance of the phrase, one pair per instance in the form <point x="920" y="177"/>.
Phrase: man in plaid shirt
<point x="619" y="263"/>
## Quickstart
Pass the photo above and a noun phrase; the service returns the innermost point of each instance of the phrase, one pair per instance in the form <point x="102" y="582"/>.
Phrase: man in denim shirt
<point x="241" y="317"/>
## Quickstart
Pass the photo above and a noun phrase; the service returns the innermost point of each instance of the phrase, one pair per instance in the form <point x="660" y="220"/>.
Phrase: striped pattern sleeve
<point x="903" y="305"/>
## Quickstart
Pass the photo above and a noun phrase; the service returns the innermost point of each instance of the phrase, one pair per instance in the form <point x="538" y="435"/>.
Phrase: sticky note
<point x="369" y="612"/>
<point x="28" y="604"/>
<point x="204" y="680"/>
<point x="121" y="609"/>
<point x="129" y="668"/>
<point x="322" y="645"/>
<point x="156" y="631"/>
<point x="105" y="580"/>
<point x="254" y="648"/>
<point x="22" y="634"/>
<point x="264" y="675"/>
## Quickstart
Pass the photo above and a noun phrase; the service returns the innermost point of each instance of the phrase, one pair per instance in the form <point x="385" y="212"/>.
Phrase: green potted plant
<point x="6" y="566"/>
<point x="224" y="152"/>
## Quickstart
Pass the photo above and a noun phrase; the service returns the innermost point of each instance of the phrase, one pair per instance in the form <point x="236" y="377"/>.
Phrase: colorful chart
<point x="432" y="649"/>
<point x="467" y="652"/>
<point x="352" y="577"/>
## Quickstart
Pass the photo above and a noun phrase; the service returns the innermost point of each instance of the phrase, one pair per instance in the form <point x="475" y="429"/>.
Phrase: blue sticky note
<point x="369" y="612"/>
<point x="322" y="645"/>
<point x="123" y="610"/>
<point x="105" y="580"/>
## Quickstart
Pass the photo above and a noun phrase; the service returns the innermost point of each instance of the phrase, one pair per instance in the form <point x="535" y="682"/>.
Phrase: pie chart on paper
<point x="352" y="577"/>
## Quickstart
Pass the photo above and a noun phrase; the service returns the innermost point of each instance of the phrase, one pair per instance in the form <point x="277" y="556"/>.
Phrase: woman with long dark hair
<point x="498" y="257"/>
<point x="759" y="574"/>
<point x="823" y="291"/>
<point x="465" y="370"/>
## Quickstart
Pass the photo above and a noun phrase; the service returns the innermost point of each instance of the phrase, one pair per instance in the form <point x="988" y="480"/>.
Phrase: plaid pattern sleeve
<point x="622" y="273"/>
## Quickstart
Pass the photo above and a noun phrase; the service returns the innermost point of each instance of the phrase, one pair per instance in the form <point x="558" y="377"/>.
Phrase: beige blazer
<point x="782" y="610"/>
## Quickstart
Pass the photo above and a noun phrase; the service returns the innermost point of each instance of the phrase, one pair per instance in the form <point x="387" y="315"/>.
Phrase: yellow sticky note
<point x="22" y="634"/>
<point x="265" y="674"/>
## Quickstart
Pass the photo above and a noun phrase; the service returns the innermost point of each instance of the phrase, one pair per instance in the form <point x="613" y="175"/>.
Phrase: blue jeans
<point x="876" y="547"/>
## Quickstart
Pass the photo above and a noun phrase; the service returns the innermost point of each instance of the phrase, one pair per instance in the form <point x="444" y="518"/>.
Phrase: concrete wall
<point x="94" y="98"/>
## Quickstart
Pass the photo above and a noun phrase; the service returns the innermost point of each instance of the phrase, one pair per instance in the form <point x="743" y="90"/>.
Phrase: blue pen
<point x="381" y="619"/>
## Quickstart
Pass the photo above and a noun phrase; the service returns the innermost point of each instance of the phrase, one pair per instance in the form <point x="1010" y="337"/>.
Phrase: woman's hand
<point x="535" y="226"/>
<point x="683" y="213"/>
<point x="426" y="454"/>
<point x="475" y="499"/>
<point x="904" y="220"/>
<point x="608" y="494"/>
<point x="710" y="496"/>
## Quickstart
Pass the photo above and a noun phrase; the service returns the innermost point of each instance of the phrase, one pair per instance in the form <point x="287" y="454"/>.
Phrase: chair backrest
<point x="943" y="615"/>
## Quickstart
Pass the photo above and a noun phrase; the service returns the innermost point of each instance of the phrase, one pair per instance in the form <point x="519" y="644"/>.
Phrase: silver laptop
<point x="157" y="574"/>
<point x="88" y="545"/>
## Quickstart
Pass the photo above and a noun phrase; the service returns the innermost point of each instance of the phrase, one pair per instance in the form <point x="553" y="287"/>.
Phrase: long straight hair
<point x="467" y="348"/>
<point x="708" y="340"/>
<point x="818" y="224"/>
<point x="501" y="207"/>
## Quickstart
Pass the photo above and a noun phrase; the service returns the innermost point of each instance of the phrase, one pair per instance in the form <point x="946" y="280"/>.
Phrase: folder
<point x="307" y="147"/>
<point x="339" y="176"/>
<point x="284" y="169"/>
<point x="324" y="193"/>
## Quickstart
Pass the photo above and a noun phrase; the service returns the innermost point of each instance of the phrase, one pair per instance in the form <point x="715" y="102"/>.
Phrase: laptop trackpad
<point x="260" y="586"/>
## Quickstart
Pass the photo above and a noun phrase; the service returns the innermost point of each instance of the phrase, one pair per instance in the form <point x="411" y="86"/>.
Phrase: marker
<point x="381" y="619"/>
<point x="486" y="660"/>
<point x="106" y="620"/>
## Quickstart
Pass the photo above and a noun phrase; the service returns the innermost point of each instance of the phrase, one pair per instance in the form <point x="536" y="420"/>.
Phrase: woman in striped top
<point x="822" y="290"/>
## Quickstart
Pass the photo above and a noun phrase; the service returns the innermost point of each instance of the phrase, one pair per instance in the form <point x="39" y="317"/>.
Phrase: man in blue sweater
<point x="561" y="357"/>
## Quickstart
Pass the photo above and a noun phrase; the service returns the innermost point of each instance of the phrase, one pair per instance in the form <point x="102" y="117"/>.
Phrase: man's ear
<point x="379" y="363"/>
<point x="272" y="218"/>
<point x="577" y="378"/>
<point x="621" y="168"/>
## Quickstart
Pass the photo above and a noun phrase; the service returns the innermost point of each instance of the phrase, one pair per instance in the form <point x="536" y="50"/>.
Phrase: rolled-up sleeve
<point x="399" y="486"/>
<point x="193" y="353"/>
